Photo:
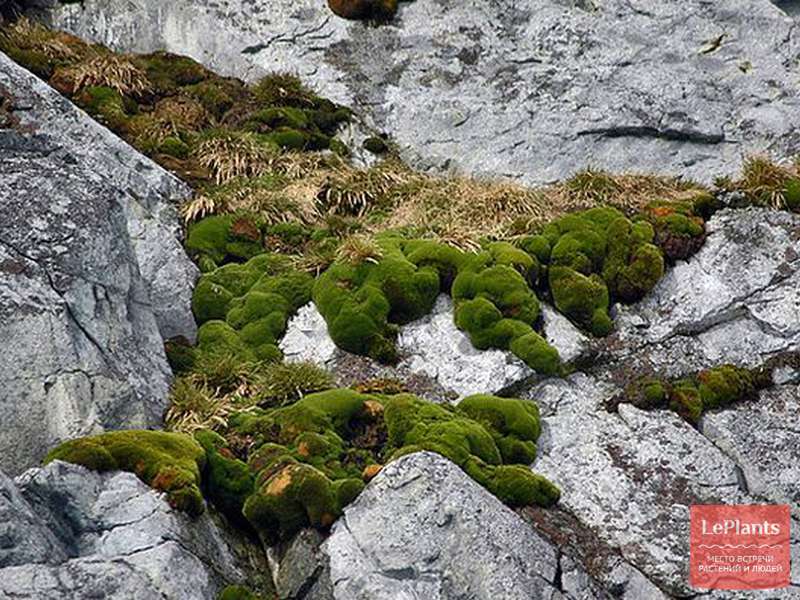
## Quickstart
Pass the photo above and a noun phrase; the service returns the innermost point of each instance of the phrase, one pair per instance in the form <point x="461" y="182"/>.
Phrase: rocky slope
<point x="92" y="275"/>
<point x="68" y="532"/>
<point x="532" y="90"/>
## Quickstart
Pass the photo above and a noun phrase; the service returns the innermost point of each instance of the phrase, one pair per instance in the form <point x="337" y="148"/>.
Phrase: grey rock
<point x="422" y="529"/>
<point x="737" y="300"/>
<point x="119" y="539"/>
<point x="297" y="568"/>
<point x="434" y="346"/>
<point x="307" y="339"/>
<point x="533" y="91"/>
<point x="763" y="438"/>
<point x="23" y="537"/>
<point x="92" y="276"/>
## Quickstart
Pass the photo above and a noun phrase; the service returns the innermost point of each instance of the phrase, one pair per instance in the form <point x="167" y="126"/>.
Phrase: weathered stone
<point x="763" y="438"/>
<point x="737" y="300"/>
<point x="434" y="346"/>
<point x="92" y="276"/>
<point x="119" y="539"/>
<point x="533" y="91"/>
<point x="423" y="529"/>
<point x="307" y="338"/>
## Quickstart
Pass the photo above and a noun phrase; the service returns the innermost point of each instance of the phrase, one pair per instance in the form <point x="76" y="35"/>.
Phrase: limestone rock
<point x="92" y="276"/>
<point x="423" y="529"/>
<point x="534" y="91"/>
<point x="737" y="300"/>
<point x="116" y="538"/>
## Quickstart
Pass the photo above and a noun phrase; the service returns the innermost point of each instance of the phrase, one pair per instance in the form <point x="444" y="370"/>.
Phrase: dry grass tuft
<point x="265" y="196"/>
<point x="104" y="69"/>
<point x="764" y="181"/>
<point x="358" y="249"/>
<point x="231" y="155"/>
<point x="30" y="35"/>
<point x="353" y="192"/>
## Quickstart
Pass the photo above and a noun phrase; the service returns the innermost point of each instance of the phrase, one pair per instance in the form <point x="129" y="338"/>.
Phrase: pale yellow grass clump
<point x="765" y="181"/>
<point x="30" y="35"/>
<point x="104" y="69"/>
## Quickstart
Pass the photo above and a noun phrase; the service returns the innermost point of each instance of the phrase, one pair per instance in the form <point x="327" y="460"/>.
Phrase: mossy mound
<point x="679" y="226"/>
<point x="169" y="462"/>
<point x="495" y="305"/>
<point x="593" y="258"/>
<point x="362" y="302"/>
<point x="692" y="395"/>
<point x="243" y="309"/>
<point x="166" y="105"/>
<point x="310" y="459"/>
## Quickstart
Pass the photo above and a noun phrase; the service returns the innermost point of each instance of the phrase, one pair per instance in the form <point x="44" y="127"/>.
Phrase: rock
<point x="118" y="539"/>
<point x="763" y="438"/>
<point x="631" y="477"/>
<point x="737" y="300"/>
<point x="92" y="276"/>
<point x="534" y="92"/>
<point x="434" y="346"/>
<point x="423" y="529"/>
<point x="307" y="338"/>
<point x="24" y="538"/>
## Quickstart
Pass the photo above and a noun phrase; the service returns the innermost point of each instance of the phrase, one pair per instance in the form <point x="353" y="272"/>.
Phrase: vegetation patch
<point x="169" y="462"/>
<point x="708" y="389"/>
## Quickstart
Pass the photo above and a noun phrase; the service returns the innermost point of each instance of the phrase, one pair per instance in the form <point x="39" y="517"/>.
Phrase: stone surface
<point x="92" y="276"/>
<point x="533" y="91"/>
<point x="307" y="339"/>
<point x="423" y="529"/>
<point x="763" y="438"/>
<point x="117" y="538"/>
<point x="737" y="300"/>
<point x="631" y="476"/>
<point x="434" y="346"/>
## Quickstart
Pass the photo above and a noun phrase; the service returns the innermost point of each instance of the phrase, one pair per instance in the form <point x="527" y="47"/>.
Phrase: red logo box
<point x="739" y="547"/>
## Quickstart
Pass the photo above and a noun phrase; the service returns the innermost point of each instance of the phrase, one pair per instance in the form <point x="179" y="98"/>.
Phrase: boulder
<point x="92" y="275"/>
<point x="423" y="529"/>
<point x="533" y="92"/>
<point x="111" y="536"/>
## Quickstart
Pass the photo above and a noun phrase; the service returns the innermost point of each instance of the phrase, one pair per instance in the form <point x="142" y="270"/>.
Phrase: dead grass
<point x="764" y="181"/>
<point x="358" y="249"/>
<point x="231" y="155"/>
<point x="103" y="69"/>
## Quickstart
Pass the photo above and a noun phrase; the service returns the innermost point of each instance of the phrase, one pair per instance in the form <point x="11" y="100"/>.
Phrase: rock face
<point x="534" y="91"/>
<point x="424" y="530"/>
<point x="737" y="300"/>
<point x="92" y="275"/>
<point x="631" y="476"/>
<point x="79" y="534"/>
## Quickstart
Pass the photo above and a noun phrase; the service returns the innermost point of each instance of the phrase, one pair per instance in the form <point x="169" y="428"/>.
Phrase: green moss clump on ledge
<point x="243" y="308"/>
<point x="169" y="462"/>
<point x="311" y="458"/>
<point x="708" y="389"/>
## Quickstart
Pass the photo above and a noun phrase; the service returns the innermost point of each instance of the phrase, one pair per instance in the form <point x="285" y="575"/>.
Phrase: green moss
<point x="174" y="146"/>
<point x="168" y="462"/>
<point x="791" y="195"/>
<point x="289" y="139"/>
<point x="180" y="355"/>
<point x="217" y="95"/>
<point x="105" y="104"/>
<point x="228" y="481"/>
<point x="361" y="303"/>
<point x="584" y="300"/>
<point x="237" y="592"/>
<point x="224" y="238"/>
<point x="514" y="424"/>
<point x="168" y="72"/>
<point x="376" y="145"/>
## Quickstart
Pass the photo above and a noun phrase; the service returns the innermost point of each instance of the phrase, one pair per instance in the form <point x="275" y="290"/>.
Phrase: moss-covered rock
<point x="227" y="480"/>
<point x="243" y="309"/>
<point x="708" y="389"/>
<point x="169" y="462"/>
